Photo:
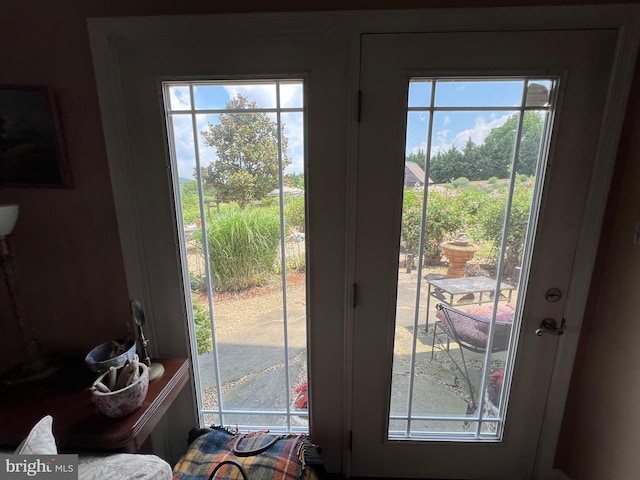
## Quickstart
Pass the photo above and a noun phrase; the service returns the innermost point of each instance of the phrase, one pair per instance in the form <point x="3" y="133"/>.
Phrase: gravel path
<point x="249" y="334"/>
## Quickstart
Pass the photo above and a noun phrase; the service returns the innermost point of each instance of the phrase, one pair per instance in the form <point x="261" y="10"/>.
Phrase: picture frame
<point x="32" y="152"/>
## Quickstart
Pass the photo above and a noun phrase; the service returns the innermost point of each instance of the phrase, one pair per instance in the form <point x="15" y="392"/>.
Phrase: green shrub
<point x="445" y="218"/>
<point x="411" y="216"/>
<point x="461" y="182"/>
<point x="489" y="224"/>
<point x="523" y="178"/>
<point x="189" y="201"/>
<point x="202" y="325"/>
<point x="294" y="213"/>
<point x="243" y="247"/>
<point x="197" y="282"/>
<point x="492" y="180"/>
<point x="270" y="202"/>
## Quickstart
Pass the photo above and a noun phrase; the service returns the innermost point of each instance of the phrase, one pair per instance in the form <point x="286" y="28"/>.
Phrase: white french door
<point x="197" y="68"/>
<point x="403" y="425"/>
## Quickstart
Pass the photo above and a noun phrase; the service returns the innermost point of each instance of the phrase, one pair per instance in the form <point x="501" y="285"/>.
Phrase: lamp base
<point x="27" y="373"/>
<point x="156" y="370"/>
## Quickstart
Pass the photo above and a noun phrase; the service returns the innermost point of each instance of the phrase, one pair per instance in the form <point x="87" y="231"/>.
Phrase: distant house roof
<point x="413" y="173"/>
<point x="285" y="191"/>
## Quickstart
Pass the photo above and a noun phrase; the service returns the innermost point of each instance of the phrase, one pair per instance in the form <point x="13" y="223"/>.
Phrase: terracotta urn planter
<point x="458" y="252"/>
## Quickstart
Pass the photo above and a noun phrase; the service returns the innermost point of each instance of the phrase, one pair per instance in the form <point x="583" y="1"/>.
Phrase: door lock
<point x="553" y="295"/>
<point x="550" y="326"/>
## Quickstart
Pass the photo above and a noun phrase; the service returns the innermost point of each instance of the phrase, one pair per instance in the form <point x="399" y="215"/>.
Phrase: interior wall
<point x="68" y="253"/>
<point x="600" y="436"/>
<point x="66" y="244"/>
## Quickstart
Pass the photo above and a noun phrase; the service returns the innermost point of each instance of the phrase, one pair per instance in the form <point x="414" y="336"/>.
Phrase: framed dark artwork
<point x="32" y="150"/>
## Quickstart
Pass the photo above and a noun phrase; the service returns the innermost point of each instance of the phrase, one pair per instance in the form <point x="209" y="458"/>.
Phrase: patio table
<point x="465" y="291"/>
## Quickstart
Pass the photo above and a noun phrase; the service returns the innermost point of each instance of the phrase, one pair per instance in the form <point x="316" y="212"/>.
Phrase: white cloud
<point x="294" y="131"/>
<point x="179" y="98"/>
<point x="442" y="136"/>
<point x="183" y="140"/>
<point x="417" y="149"/>
<point x="264" y="95"/>
<point x="481" y="128"/>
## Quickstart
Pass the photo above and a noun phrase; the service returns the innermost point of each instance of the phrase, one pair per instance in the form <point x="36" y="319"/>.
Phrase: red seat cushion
<point x="474" y="332"/>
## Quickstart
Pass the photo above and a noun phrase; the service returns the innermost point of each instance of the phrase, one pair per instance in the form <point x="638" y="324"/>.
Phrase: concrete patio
<point x="253" y="375"/>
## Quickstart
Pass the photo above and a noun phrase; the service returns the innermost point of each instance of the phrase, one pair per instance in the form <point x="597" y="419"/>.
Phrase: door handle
<point x="550" y="326"/>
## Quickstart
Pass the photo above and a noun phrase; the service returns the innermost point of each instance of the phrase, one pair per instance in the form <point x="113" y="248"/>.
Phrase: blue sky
<point x="449" y="128"/>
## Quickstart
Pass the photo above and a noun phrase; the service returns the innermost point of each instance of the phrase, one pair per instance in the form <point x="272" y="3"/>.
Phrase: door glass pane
<point x="238" y="166"/>
<point x="478" y="93"/>
<point x="223" y="96"/>
<point x="473" y="176"/>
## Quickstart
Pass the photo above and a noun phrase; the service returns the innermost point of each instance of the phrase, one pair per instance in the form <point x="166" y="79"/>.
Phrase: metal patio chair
<point x="470" y="330"/>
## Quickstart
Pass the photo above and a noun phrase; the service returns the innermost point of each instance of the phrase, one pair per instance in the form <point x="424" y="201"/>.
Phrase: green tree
<point x="497" y="150"/>
<point x="445" y="166"/>
<point x="417" y="158"/>
<point x="247" y="166"/>
<point x="453" y="163"/>
<point x="295" y="180"/>
<point x="471" y="163"/>
<point x="493" y="157"/>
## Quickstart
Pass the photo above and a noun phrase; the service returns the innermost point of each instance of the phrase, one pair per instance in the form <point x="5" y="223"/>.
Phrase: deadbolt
<point x="553" y="295"/>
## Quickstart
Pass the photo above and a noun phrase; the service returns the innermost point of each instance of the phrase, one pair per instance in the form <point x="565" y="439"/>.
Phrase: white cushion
<point x="40" y="440"/>
<point x="123" y="466"/>
<point x="119" y="466"/>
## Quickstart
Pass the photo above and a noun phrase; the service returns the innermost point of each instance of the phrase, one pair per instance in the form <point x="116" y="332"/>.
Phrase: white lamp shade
<point x="8" y="217"/>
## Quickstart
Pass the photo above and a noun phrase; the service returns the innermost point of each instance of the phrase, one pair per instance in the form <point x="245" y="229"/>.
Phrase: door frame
<point x="107" y="35"/>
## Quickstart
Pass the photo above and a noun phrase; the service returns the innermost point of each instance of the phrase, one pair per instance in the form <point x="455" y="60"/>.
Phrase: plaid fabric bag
<point x="261" y="456"/>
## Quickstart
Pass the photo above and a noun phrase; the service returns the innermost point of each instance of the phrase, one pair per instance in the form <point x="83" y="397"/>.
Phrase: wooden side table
<point x="76" y="424"/>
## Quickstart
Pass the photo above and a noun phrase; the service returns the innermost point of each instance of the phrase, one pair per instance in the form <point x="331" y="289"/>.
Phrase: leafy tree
<point x="493" y="157"/>
<point x="497" y="149"/>
<point x="445" y="166"/>
<point x="247" y="146"/>
<point x="455" y="163"/>
<point x="471" y="155"/>
<point x="295" y="180"/>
